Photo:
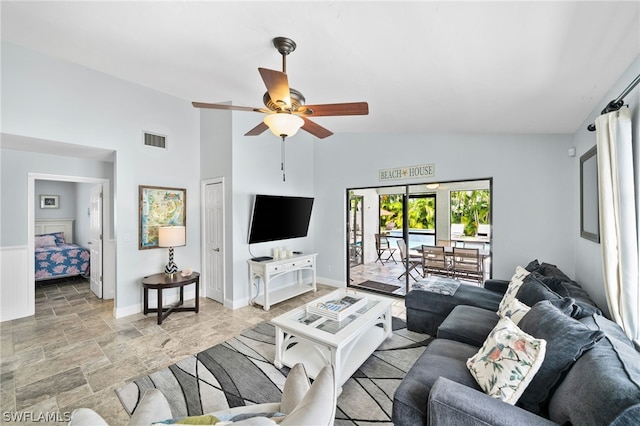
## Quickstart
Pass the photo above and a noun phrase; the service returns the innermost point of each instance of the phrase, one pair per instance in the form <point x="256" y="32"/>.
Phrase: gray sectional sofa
<point x="590" y="374"/>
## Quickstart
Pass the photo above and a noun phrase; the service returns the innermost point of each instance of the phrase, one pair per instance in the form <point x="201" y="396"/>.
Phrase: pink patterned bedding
<point x="61" y="260"/>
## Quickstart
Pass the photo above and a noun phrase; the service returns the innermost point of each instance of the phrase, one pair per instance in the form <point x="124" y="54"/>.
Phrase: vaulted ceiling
<point x="477" y="67"/>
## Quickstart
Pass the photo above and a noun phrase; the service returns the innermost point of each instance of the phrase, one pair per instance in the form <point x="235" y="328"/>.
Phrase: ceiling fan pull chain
<point x="282" y="159"/>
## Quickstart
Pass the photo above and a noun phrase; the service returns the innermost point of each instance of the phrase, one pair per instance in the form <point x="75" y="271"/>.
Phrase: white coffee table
<point x="317" y="341"/>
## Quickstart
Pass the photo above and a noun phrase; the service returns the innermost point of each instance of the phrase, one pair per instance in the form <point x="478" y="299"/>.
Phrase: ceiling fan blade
<point x="277" y="86"/>
<point x="227" y="107"/>
<point x="315" y="129"/>
<point x="257" y="130"/>
<point x="351" y="108"/>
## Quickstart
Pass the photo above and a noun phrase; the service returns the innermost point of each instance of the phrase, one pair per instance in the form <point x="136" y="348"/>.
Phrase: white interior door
<point x="95" y="234"/>
<point x="214" y="245"/>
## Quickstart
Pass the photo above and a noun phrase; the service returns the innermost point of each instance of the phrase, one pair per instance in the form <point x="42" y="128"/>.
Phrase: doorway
<point x="213" y="229"/>
<point x="406" y="217"/>
<point x="103" y="287"/>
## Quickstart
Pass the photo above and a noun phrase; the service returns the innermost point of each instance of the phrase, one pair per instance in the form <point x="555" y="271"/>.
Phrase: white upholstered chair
<point x="302" y="403"/>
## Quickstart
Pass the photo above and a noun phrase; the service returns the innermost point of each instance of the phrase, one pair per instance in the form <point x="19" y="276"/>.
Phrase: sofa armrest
<point x="451" y="403"/>
<point x="499" y="286"/>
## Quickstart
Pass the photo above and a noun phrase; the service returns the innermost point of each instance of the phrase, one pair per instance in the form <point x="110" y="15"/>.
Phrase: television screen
<point x="279" y="218"/>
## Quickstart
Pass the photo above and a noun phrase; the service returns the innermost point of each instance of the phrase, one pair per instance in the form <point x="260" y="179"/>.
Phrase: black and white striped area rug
<point x="240" y="371"/>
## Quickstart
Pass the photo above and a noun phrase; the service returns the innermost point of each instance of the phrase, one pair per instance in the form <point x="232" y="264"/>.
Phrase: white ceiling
<point x="478" y="67"/>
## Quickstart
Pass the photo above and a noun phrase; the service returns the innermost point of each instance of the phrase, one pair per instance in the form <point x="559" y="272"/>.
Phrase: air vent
<point x="156" y="141"/>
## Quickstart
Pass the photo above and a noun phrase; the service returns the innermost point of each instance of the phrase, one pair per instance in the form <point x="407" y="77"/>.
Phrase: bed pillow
<point x="567" y="339"/>
<point x="59" y="237"/>
<point x="44" y="241"/>
<point x="512" y="289"/>
<point x="507" y="361"/>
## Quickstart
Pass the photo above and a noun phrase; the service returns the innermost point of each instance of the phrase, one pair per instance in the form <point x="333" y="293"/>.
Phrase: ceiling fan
<point x="285" y="108"/>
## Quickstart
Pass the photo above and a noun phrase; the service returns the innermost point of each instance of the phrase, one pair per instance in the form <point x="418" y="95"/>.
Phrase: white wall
<point x="588" y="256"/>
<point x="256" y="170"/>
<point x="54" y="100"/>
<point x="532" y="189"/>
<point x="66" y="192"/>
<point x="216" y="143"/>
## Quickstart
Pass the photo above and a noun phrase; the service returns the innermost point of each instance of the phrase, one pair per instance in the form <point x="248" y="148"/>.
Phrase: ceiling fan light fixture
<point x="283" y="124"/>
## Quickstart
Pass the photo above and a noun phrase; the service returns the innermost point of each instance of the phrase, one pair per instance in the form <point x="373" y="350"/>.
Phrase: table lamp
<point x="171" y="236"/>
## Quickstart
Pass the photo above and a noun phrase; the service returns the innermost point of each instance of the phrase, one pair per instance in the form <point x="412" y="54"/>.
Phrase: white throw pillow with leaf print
<point x="512" y="289"/>
<point x="515" y="310"/>
<point x="507" y="361"/>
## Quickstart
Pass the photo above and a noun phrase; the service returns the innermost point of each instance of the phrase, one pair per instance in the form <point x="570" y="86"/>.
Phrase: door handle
<point x="216" y="249"/>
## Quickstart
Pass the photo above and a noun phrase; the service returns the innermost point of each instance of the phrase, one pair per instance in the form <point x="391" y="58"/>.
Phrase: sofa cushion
<point x="567" y="339"/>
<point x="514" y="285"/>
<point x="295" y="388"/>
<point x="152" y="407"/>
<point x="507" y="361"/>
<point x="603" y="386"/>
<point x="442" y="358"/>
<point x="426" y="310"/>
<point x="468" y="324"/>
<point x="319" y="404"/>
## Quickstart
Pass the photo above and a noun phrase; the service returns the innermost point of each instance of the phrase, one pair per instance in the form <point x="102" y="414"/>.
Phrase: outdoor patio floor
<point x="388" y="273"/>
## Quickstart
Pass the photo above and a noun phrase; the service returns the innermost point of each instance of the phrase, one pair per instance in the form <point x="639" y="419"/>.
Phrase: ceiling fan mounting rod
<point x="285" y="46"/>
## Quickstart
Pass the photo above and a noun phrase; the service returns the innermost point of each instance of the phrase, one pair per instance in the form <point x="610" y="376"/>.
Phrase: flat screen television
<point x="279" y="218"/>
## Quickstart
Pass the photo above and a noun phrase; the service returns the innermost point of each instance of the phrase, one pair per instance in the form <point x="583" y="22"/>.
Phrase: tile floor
<point x="73" y="353"/>
<point x="388" y="273"/>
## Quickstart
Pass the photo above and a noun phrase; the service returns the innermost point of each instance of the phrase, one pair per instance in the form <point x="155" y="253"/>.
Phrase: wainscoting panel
<point x="17" y="295"/>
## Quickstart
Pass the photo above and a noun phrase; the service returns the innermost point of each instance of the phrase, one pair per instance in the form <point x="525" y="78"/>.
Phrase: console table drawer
<point x="275" y="268"/>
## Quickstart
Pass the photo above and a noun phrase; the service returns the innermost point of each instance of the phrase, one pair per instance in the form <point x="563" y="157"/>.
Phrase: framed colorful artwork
<point x="159" y="206"/>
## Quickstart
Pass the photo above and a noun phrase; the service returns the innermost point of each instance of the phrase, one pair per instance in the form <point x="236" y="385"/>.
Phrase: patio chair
<point x="415" y="260"/>
<point x="467" y="264"/>
<point x="444" y="243"/>
<point x="382" y="248"/>
<point x="434" y="261"/>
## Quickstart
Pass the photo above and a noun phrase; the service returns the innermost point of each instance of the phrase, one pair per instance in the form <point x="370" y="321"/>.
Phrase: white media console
<point x="267" y="270"/>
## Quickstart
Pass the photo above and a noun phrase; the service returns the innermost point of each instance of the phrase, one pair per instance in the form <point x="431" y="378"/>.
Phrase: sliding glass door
<point x="396" y="221"/>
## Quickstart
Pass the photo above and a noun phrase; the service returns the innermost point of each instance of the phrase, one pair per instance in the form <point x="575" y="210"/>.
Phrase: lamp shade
<point x="171" y="236"/>
<point x="283" y="124"/>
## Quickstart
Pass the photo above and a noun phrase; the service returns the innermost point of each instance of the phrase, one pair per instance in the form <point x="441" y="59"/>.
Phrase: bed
<point x="56" y="256"/>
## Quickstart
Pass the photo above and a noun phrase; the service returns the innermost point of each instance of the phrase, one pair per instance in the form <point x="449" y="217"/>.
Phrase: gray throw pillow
<point x="567" y="339"/>
<point x="532" y="266"/>
<point x="533" y="290"/>
<point x="572" y="289"/>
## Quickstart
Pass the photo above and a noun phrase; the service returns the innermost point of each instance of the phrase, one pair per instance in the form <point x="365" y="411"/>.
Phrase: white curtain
<point x="618" y="229"/>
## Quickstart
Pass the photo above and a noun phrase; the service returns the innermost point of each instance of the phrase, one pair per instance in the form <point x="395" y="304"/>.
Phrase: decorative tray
<point x="337" y="309"/>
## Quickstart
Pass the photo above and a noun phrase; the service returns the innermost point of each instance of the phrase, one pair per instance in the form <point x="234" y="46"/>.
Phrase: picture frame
<point x="49" y="201"/>
<point x="159" y="206"/>
<point x="589" y="215"/>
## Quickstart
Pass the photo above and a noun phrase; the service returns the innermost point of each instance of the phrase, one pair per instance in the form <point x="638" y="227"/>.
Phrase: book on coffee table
<point x="337" y="309"/>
